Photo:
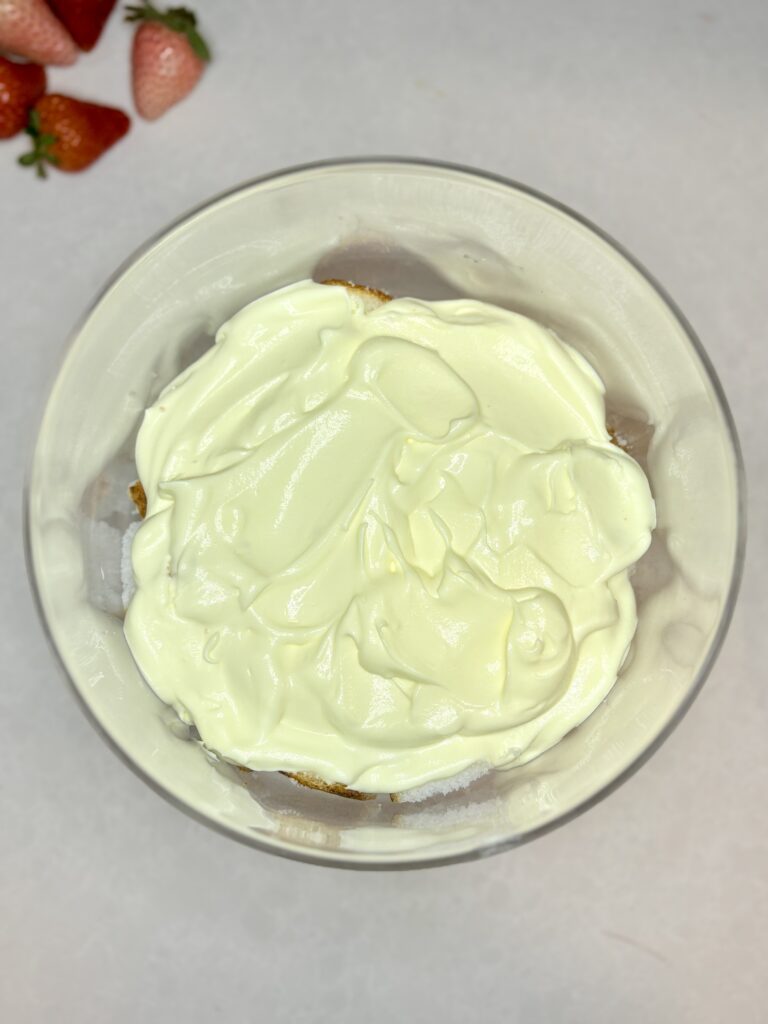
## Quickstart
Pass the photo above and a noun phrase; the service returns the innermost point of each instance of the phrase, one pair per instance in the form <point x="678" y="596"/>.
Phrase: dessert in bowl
<point x="399" y="611"/>
<point x="384" y="547"/>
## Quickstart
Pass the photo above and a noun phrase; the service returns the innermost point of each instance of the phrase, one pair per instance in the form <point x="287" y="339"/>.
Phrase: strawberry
<point x="168" y="57"/>
<point x="20" y="86"/>
<point x="70" y="134"/>
<point x="29" y="29"/>
<point x="83" y="19"/>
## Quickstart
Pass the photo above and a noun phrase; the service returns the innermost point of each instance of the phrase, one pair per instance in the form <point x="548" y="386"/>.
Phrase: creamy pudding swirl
<point x="384" y="546"/>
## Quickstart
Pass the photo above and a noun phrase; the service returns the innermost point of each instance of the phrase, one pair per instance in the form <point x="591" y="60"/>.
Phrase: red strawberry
<point x="83" y="19"/>
<point x="20" y="86"/>
<point x="70" y="134"/>
<point x="29" y="29"/>
<point x="169" y="55"/>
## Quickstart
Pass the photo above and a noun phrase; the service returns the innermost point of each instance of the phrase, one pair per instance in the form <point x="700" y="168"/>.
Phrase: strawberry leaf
<point x="198" y="44"/>
<point x="40" y="154"/>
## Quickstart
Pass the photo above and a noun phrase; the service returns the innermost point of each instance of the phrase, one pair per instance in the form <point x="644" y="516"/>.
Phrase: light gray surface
<point x="651" y="119"/>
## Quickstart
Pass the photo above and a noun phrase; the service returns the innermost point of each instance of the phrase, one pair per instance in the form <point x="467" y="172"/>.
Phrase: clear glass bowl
<point x="431" y="231"/>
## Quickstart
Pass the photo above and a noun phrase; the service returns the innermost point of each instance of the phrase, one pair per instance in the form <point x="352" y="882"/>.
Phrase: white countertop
<point x="650" y="118"/>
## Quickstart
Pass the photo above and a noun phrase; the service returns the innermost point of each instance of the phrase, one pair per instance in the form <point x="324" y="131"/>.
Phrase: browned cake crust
<point x="139" y="498"/>
<point x="360" y="289"/>
<point x="337" y="788"/>
<point x="617" y="440"/>
<point x="313" y="782"/>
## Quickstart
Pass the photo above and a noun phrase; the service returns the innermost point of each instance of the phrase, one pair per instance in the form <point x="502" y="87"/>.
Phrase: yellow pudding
<point x="384" y="545"/>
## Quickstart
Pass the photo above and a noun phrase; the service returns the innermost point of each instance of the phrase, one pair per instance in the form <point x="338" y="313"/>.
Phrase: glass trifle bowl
<point x="430" y="231"/>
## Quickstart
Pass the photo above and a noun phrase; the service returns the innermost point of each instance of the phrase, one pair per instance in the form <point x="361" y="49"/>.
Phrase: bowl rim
<point x="409" y="859"/>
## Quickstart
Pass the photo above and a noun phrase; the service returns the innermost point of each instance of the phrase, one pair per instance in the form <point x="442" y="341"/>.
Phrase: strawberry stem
<point x="40" y="154"/>
<point x="178" y="19"/>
